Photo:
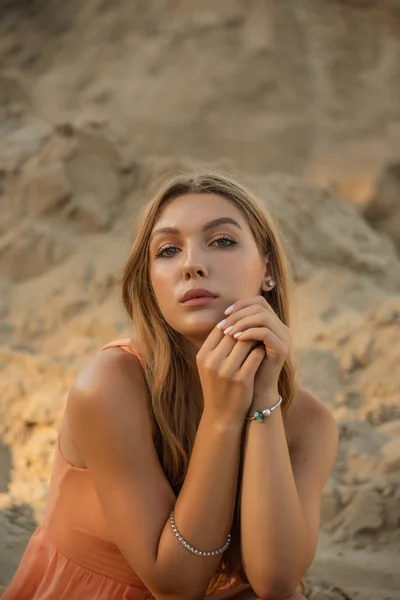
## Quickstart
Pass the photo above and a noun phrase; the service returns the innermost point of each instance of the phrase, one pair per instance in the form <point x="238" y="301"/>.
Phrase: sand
<point x="90" y="123"/>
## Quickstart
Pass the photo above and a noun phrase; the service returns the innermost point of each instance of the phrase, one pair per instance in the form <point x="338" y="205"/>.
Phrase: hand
<point x="255" y="318"/>
<point x="227" y="368"/>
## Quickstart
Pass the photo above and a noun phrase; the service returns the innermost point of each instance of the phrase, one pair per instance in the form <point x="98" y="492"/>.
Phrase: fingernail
<point x="229" y="329"/>
<point x="229" y="310"/>
<point x="222" y="324"/>
<point x="238" y="334"/>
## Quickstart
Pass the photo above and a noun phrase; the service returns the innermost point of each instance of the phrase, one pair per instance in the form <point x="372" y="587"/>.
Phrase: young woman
<point x="190" y="464"/>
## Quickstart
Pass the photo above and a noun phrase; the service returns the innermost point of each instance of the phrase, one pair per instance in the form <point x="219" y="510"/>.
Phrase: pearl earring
<point x="270" y="282"/>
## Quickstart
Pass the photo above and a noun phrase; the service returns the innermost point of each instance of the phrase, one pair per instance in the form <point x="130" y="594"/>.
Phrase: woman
<point x="169" y="481"/>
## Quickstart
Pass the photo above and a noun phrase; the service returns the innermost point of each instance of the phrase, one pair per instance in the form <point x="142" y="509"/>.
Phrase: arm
<point x="134" y="493"/>
<point x="281" y="494"/>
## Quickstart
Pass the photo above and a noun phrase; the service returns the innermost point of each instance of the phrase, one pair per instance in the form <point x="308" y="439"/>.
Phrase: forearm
<point x="272" y="523"/>
<point x="204" y="508"/>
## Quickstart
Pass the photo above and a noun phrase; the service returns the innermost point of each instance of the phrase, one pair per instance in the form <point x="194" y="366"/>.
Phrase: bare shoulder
<point x="112" y="385"/>
<point x="111" y="367"/>
<point x="308" y="419"/>
<point x="108" y="416"/>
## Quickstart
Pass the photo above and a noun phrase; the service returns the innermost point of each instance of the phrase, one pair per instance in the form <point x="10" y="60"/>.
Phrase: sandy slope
<point x="83" y="138"/>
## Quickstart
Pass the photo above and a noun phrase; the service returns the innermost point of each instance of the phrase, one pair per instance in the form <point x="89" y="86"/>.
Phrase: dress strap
<point x="125" y="344"/>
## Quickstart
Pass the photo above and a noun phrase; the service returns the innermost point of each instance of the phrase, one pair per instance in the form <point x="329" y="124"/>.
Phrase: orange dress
<point x="71" y="556"/>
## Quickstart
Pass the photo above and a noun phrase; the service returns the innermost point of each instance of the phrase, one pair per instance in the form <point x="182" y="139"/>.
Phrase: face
<point x="222" y="259"/>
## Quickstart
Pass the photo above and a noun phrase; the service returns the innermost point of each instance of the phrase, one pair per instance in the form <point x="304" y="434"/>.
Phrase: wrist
<point x="259" y="414"/>
<point x="265" y="400"/>
<point x="222" y="423"/>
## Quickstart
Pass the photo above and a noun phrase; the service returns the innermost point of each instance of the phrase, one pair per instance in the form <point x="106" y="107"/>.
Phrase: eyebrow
<point x="206" y="227"/>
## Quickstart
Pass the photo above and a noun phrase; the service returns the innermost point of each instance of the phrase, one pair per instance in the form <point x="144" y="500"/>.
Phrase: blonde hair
<point x="171" y="375"/>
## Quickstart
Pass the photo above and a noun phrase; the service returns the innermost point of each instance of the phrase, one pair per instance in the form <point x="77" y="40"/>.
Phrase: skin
<point x="198" y="260"/>
<point x="246" y="593"/>
<point x="195" y="259"/>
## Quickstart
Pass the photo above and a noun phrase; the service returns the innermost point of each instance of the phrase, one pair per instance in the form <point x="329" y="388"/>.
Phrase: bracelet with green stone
<point x="260" y="415"/>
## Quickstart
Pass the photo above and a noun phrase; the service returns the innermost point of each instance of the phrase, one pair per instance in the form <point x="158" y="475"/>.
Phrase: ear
<point x="268" y="284"/>
<point x="269" y="280"/>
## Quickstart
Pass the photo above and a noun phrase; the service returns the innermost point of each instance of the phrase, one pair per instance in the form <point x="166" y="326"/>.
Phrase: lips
<point x="197" y="293"/>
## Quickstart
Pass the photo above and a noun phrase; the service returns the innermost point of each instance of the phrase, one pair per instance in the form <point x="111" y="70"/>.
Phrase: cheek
<point x="161" y="281"/>
<point x="248" y="270"/>
<point x="160" y="277"/>
<point x="249" y="278"/>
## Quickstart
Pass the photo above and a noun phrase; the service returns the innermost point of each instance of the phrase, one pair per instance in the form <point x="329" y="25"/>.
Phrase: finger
<point x="211" y="342"/>
<point x="253" y="309"/>
<point x="257" y="307"/>
<point x="218" y="348"/>
<point x="244" y="312"/>
<point x="252" y="300"/>
<point x="259" y="319"/>
<point x="252" y="363"/>
<point x="274" y="346"/>
<point x="239" y="354"/>
<point x="223" y="349"/>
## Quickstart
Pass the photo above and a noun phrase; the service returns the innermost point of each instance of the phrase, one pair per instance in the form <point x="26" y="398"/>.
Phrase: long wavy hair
<point x="171" y="375"/>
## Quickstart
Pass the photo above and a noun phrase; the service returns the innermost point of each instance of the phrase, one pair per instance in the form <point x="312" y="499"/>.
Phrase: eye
<point x="162" y="253"/>
<point x="225" y="238"/>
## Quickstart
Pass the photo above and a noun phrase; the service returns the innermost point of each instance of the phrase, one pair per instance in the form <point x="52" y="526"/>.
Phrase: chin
<point x="197" y="332"/>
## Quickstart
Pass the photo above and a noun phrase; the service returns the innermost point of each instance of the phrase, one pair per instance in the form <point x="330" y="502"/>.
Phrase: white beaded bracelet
<point x="194" y="550"/>
<point x="259" y="416"/>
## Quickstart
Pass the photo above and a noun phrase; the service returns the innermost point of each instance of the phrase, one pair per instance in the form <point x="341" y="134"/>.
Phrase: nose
<point x="193" y="267"/>
<point x="193" y="271"/>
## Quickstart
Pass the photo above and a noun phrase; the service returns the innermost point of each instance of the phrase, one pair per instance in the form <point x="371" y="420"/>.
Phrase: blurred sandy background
<point x="98" y="99"/>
